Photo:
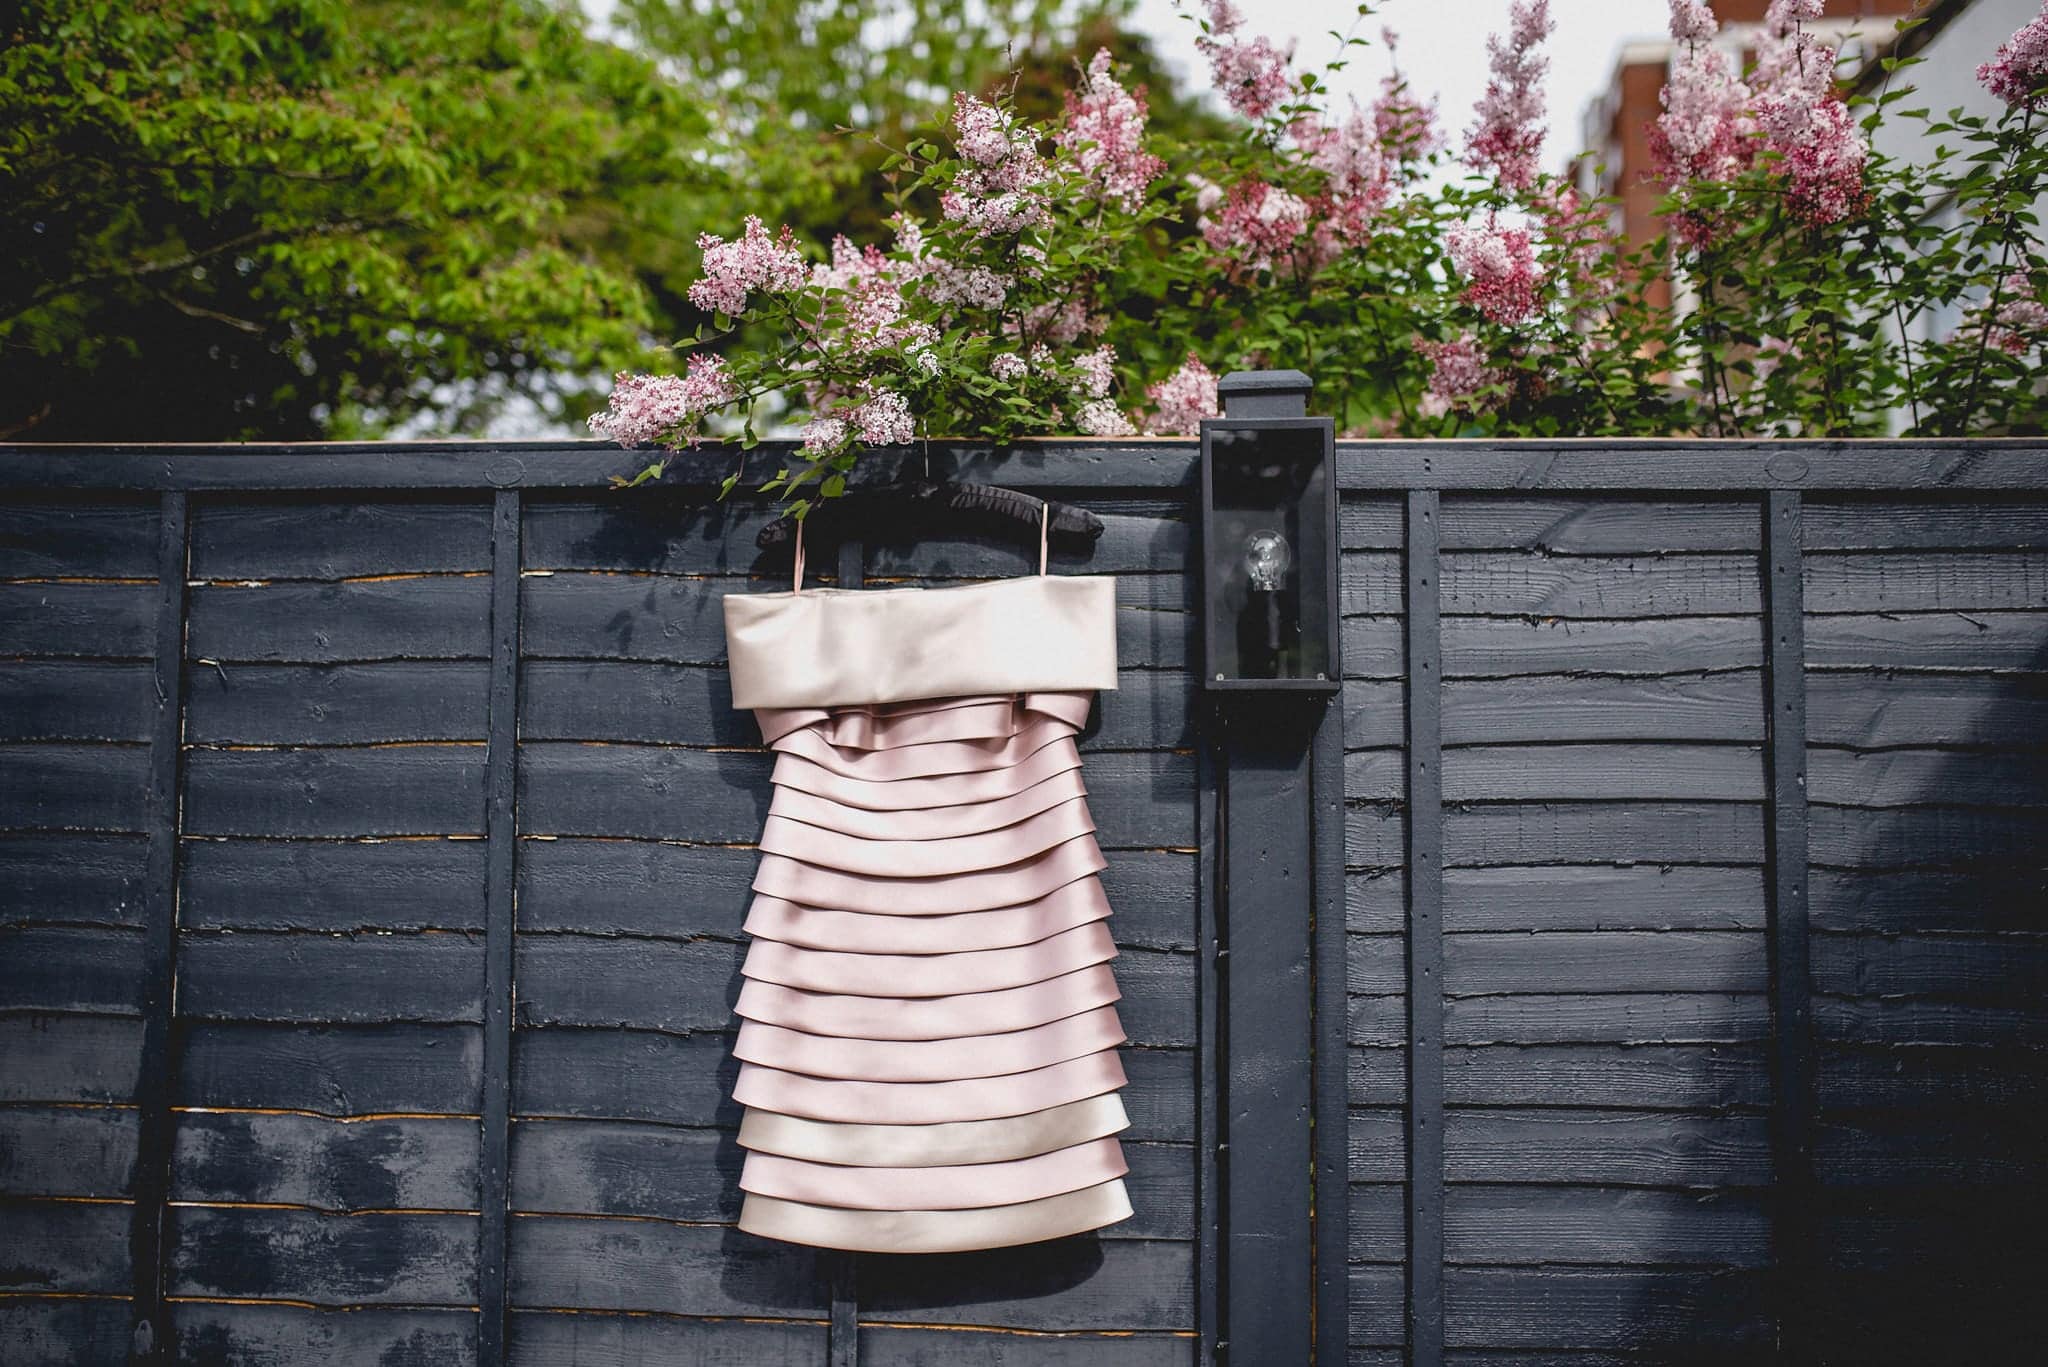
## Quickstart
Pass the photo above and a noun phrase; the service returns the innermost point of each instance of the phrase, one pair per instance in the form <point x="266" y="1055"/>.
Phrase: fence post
<point x="1792" y="1234"/>
<point x="501" y="828"/>
<point x="1282" y="1163"/>
<point x="1424" y="860"/>
<point x="150" y="1335"/>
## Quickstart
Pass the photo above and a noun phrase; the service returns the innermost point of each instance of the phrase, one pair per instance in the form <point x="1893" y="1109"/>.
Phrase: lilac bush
<point x="1069" y="276"/>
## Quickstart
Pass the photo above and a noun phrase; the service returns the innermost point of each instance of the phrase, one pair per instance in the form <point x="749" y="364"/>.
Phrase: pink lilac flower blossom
<point x="1407" y="130"/>
<point x="1097" y="372"/>
<point x="983" y="133"/>
<point x="883" y="419"/>
<point x="647" y="407"/>
<point x="752" y="261"/>
<point x="1103" y="130"/>
<point x="998" y="194"/>
<point x="1060" y="322"/>
<point x="823" y="437"/>
<point x="1692" y="21"/>
<point x="1457" y="374"/>
<point x="1508" y="132"/>
<point x="975" y="286"/>
<point x="2021" y="322"/>
<point x="1825" y="168"/>
<point x="1251" y="74"/>
<point x="1007" y="366"/>
<point x="1102" y="418"/>
<point x="2018" y="72"/>
<point x="1500" y="270"/>
<point x="1579" y="236"/>
<point x="1358" y="188"/>
<point x="1803" y="119"/>
<point x="1182" y="400"/>
<point x="1258" y="223"/>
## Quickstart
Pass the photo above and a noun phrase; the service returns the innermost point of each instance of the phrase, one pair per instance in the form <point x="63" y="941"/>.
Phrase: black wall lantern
<point x="1269" y="539"/>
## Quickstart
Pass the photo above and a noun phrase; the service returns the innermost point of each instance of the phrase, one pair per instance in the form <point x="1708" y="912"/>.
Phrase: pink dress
<point x="928" y="1031"/>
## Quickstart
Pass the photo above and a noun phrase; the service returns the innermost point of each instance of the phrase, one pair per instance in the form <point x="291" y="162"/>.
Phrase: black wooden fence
<point x="374" y="831"/>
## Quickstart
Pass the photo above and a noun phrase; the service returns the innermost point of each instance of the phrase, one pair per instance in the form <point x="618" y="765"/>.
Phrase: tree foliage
<point x="232" y="218"/>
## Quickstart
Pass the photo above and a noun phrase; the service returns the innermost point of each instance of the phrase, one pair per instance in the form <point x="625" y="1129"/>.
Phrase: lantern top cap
<point x="1264" y="394"/>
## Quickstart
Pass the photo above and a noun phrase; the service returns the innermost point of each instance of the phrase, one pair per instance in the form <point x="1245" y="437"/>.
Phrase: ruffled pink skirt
<point x="928" y="1031"/>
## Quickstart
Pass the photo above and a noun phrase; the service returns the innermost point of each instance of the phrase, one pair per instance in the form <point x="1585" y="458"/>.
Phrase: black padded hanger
<point x="922" y="507"/>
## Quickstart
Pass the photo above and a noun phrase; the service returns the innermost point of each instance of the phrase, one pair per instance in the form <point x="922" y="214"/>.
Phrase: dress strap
<point x="797" y="580"/>
<point x="1044" y="531"/>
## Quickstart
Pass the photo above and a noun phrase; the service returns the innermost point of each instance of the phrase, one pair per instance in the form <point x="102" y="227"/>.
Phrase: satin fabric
<point x="936" y="1231"/>
<point x="835" y="647"/>
<point x="937" y="1187"/>
<point x="928" y="1030"/>
<point x="940" y="1145"/>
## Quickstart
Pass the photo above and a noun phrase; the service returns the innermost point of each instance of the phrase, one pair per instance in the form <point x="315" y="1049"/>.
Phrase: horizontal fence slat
<point x="72" y="877"/>
<point x="336" y="885"/>
<point x="409" y="1162"/>
<point x="369" y="978"/>
<point x="254" y="1253"/>
<point x="1896" y="581"/>
<point x="90" y="970"/>
<point x="336" y="704"/>
<point x="1580" y="1018"/>
<point x="74" y="1151"/>
<point x="76" y="700"/>
<point x="1489" y="1224"/>
<point x="1668" y="1076"/>
<point x="302" y="537"/>
<point x="1607" y="1147"/>
<point x="49" y="534"/>
<point x="318" y="792"/>
<point x="405" y="617"/>
<point x="1929" y="640"/>
<point x="77" y="619"/>
<point x="308" y="1336"/>
<point x="78" y="1059"/>
<point x="331" y="1069"/>
<point x="1619" y="464"/>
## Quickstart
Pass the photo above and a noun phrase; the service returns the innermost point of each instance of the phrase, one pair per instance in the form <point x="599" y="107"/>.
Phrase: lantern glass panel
<point x="1268" y="551"/>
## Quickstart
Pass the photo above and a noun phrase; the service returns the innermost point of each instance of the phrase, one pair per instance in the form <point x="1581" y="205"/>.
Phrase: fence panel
<point x="1711" y="779"/>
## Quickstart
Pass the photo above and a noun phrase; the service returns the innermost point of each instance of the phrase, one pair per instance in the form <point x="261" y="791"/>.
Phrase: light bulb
<point x="1266" y="558"/>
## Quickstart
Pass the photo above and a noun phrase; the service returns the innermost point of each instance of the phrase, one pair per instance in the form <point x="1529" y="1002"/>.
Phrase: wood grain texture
<point x="52" y="534"/>
<point x="64" y="1332"/>
<point x="598" y="1339"/>
<point x="1488" y="1224"/>
<point x="109" y="622"/>
<point x="337" y="1069"/>
<point x="59" y="877"/>
<point x="331" y="885"/>
<point x="240" y="1252"/>
<point x="325" y="1164"/>
<point x="396" y="617"/>
<point x="302" y="1336"/>
<point x="80" y="1151"/>
<point x="78" y="1059"/>
<point x="399" y="790"/>
<point x="76" y="700"/>
<point x="368" y="979"/>
<point x="293" y="536"/>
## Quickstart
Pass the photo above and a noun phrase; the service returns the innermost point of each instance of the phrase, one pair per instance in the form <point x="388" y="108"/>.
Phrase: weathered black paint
<point x="1791" y="974"/>
<point x="1614" y="893"/>
<point x="1267" y="830"/>
<point x="500" y="833"/>
<point x="1422" y="857"/>
<point x="149" y="1330"/>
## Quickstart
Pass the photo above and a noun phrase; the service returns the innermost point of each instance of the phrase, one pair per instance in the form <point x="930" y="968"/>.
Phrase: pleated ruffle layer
<point x="928" y="1031"/>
